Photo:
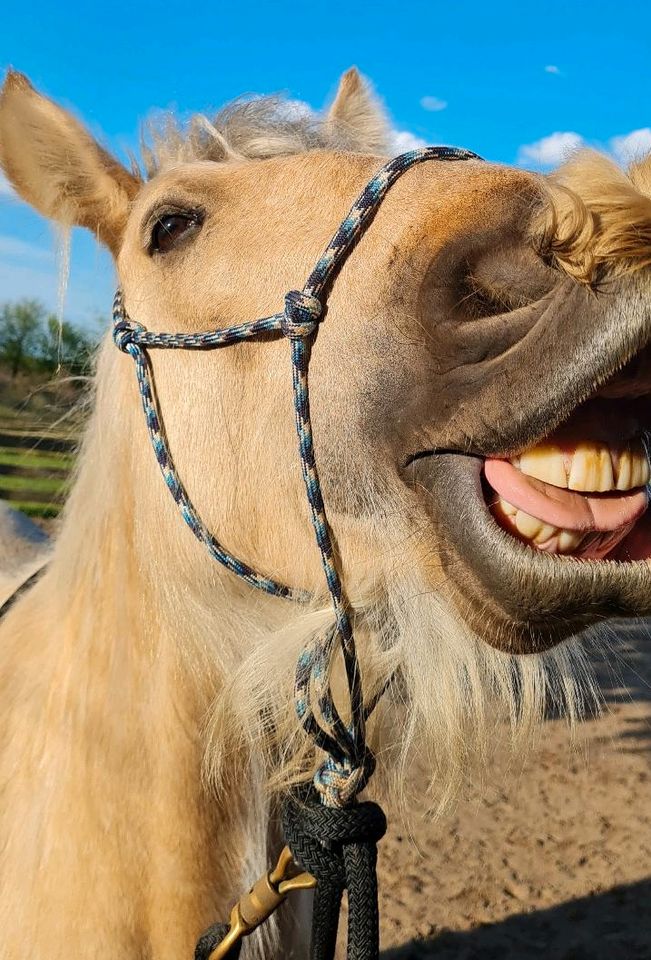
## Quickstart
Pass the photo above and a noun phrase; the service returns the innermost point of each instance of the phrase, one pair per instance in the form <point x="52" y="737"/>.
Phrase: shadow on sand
<point x="623" y="665"/>
<point x="622" y="668"/>
<point x="614" y="925"/>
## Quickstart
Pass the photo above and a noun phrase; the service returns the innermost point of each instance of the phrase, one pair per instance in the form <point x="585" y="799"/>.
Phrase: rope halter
<point x="349" y="763"/>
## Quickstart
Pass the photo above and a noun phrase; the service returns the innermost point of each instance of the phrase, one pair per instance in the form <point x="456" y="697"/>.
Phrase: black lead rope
<point x="338" y="846"/>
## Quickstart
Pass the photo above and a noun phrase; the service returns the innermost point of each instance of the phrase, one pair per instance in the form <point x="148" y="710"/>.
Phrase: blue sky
<point x="517" y="82"/>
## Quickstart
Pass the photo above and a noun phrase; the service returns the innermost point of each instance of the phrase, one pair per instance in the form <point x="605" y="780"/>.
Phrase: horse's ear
<point x="57" y="167"/>
<point x="357" y="118"/>
<point x="640" y="174"/>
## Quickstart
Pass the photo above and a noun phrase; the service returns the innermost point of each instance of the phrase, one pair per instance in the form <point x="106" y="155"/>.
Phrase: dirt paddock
<point x="552" y="860"/>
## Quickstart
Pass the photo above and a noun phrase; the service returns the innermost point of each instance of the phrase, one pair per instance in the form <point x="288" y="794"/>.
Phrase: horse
<point x="478" y="388"/>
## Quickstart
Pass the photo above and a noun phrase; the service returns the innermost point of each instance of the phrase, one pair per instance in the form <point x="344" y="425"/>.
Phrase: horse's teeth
<point x="506" y="508"/>
<point x="589" y="468"/>
<point x="535" y="531"/>
<point x="568" y="540"/>
<point x="632" y="469"/>
<point x="625" y="470"/>
<point x="527" y="525"/>
<point x="606" y="478"/>
<point x="584" y="472"/>
<point x="545" y="462"/>
<point x="546" y="532"/>
<point x="592" y="469"/>
<point x="641" y="472"/>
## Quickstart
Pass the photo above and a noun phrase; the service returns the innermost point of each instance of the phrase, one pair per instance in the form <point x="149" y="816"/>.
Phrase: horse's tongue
<point x="564" y="508"/>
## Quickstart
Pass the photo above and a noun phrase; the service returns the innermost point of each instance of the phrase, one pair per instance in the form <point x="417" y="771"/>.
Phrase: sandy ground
<point x="553" y="862"/>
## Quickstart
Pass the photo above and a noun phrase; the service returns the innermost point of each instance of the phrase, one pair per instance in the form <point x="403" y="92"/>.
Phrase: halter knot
<point x="301" y="316"/>
<point x="124" y="333"/>
<point x="339" y="782"/>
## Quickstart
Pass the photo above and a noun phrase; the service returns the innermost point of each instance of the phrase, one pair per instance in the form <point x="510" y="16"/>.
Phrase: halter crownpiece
<point x="351" y="829"/>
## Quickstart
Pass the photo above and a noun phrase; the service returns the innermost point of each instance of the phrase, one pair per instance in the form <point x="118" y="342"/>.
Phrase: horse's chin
<point x="515" y="597"/>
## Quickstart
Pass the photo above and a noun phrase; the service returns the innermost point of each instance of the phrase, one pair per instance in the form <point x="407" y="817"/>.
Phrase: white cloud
<point x="404" y="140"/>
<point x="551" y="68"/>
<point x="551" y="150"/>
<point x="13" y="247"/>
<point x="631" y="146"/>
<point x="6" y="190"/>
<point x="434" y="104"/>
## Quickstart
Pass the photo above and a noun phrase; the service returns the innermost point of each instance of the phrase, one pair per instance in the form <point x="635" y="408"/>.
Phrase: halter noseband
<point x="349" y="763"/>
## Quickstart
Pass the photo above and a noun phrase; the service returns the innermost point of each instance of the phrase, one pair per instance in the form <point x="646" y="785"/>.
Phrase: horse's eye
<point x="169" y="229"/>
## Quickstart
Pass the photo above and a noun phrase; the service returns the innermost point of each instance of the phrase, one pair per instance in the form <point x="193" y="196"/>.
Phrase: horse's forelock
<point x="597" y="221"/>
<point x="251" y="128"/>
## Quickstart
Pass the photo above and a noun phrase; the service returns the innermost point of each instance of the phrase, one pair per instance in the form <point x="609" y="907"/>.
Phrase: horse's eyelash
<point x="168" y="208"/>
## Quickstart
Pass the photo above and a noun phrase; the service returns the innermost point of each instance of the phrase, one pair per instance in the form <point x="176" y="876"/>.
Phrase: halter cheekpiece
<point x="350" y="829"/>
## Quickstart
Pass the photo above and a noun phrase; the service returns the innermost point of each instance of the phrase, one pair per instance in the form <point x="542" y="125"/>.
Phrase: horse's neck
<point x="118" y="580"/>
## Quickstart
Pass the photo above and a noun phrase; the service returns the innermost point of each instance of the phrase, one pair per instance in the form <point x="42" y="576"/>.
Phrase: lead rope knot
<point x="125" y="330"/>
<point x="301" y="315"/>
<point x="338" y="846"/>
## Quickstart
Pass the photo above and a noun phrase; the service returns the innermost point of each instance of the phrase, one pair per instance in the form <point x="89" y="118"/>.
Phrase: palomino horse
<point x="478" y="392"/>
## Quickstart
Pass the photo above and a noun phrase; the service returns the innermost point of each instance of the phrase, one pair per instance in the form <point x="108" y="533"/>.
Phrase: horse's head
<point x="478" y="383"/>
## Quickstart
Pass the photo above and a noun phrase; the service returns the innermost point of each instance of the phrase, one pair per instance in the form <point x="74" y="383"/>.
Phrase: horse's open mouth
<point x="555" y="537"/>
<point x="581" y="492"/>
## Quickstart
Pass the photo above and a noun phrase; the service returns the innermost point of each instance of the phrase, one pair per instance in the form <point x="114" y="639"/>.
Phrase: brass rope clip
<point x="264" y="897"/>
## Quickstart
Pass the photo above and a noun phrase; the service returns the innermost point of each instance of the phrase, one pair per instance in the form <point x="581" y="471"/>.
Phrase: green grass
<point x="34" y="414"/>
<point x="41" y="481"/>
<point x="42" y="475"/>
<point x="19" y="457"/>
<point x="32" y="509"/>
<point x="15" y="481"/>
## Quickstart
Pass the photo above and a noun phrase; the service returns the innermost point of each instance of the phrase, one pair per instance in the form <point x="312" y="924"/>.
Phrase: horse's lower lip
<point x="524" y="600"/>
